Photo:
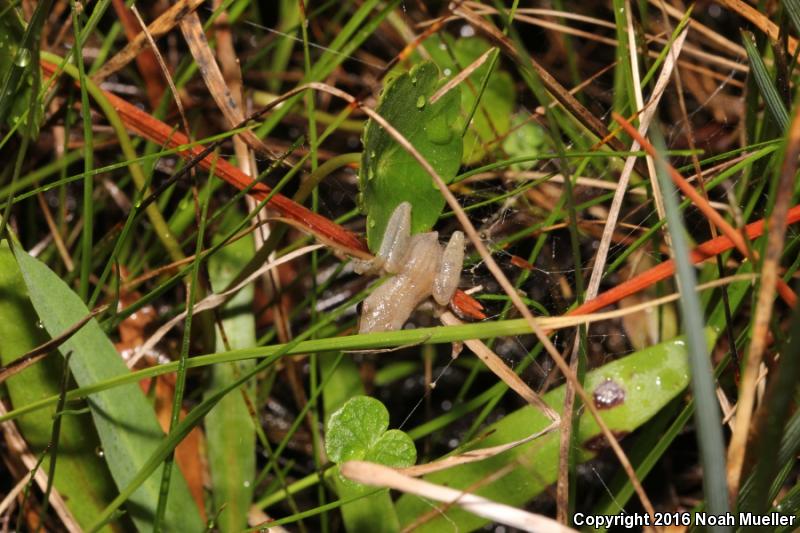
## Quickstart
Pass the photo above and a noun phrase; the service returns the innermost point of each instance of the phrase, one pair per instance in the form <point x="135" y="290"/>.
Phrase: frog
<point x="420" y="268"/>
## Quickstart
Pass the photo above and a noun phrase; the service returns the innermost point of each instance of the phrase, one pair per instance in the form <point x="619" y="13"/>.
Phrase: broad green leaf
<point x="81" y="476"/>
<point x="627" y="391"/>
<point x="358" y="431"/>
<point x="389" y="174"/>
<point x="492" y="118"/>
<point x="230" y="432"/>
<point x="125" y="421"/>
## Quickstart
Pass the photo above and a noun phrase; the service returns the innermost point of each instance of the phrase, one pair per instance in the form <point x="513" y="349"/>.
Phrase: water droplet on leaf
<point x="23" y="58"/>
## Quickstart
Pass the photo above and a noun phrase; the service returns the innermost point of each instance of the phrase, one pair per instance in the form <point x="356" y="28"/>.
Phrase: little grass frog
<point x="421" y="268"/>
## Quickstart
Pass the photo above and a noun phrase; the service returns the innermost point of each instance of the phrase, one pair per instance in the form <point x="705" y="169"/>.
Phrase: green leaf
<point x="357" y="431"/>
<point x="230" y="431"/>
<point x="628" y="391"/>
<point x="390" y="175"/>
<point x="526" y="139"/>
<point x="492" y="118"/>
<point x="128" y="429"/>
<point x="81" y="476"/>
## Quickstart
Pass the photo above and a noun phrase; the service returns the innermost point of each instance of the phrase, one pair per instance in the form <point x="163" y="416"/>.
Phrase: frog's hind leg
<point x="388" y="307"/>
<point x="446" y="281"/>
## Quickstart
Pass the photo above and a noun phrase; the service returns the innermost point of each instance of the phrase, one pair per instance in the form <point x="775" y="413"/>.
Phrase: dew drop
<point x="23" y="58"/>
<point x="420" y="102"/>
<point x="99" y="452"/>
<point x="40" y="324"/>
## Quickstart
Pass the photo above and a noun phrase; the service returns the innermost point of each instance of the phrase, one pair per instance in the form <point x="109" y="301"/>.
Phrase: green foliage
<point x="17" y="74"/>
<point x="125" y="421"/>
<point x="230" y="431"/>
<point x="492" y="118"/>
<point x="81" y="476"/>
<point x="389" y="174"/>
<point x="631" y="391"/>
<point x="525" y="139"/>
<point x="358" y="431"/>
<point x="763" y="80"/>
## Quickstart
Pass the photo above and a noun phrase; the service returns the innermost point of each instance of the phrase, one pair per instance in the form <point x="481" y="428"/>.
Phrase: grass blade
<point x="764" y="82"/>
<point x="230" y="431"/>
<point x="707" y="414"/>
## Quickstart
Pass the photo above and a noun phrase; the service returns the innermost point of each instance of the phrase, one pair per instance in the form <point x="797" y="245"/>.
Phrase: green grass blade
<point x="764" y="82"/>
<point x="707" y="414"/>
<point x="88" y="160"/>
<point x="618" y="497"/>
<point x="792" y="8"/>
<point x="230" y="431"/>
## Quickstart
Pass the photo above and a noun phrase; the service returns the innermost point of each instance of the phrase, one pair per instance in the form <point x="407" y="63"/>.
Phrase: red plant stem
<point x="158" y="132"/>
<point x="702" y="204"/>
<point x="664" y="270"/>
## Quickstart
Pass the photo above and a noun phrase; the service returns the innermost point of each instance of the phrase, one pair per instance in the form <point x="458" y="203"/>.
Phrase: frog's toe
<point x="446" y="281"/>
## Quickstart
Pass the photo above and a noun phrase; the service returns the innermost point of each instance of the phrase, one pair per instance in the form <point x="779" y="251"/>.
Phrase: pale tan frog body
<point x="421" y="266"/>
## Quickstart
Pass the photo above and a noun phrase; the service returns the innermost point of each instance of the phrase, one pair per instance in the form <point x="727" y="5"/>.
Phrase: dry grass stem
<point x="377" y="475"/>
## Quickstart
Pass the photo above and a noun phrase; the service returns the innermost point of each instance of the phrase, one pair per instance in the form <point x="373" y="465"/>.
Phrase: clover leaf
<point x="358" y="431"/>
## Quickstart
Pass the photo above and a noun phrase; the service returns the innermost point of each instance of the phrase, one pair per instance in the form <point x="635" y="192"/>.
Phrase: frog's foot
<point x="367" y="266"/>
<point x="446" y="281"/>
